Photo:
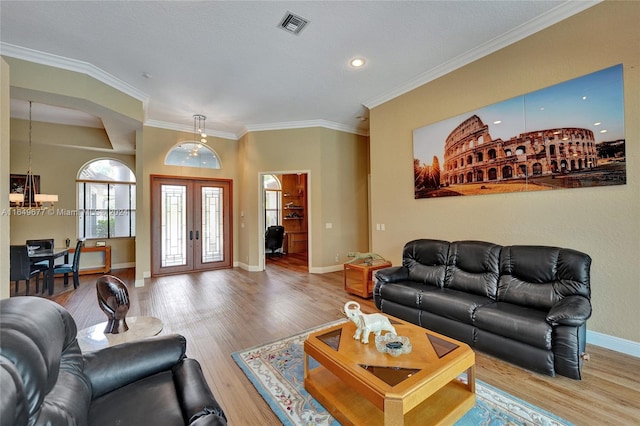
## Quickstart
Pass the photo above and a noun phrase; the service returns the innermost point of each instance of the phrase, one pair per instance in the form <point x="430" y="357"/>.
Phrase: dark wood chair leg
<point x="76" y="280"/>
<point x="66" y="278"/>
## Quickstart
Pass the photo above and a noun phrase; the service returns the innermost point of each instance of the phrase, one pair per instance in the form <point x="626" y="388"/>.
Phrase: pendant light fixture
<point x="30" y="196"/>
<point x="199" y="130"/>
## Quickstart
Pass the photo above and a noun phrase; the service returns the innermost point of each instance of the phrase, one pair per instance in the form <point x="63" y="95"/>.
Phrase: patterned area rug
<point x="276" y="370"/>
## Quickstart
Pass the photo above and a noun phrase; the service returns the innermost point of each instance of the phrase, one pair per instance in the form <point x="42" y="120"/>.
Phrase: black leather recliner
<point x="525" y="304"/>
<point x="45" y="379"/>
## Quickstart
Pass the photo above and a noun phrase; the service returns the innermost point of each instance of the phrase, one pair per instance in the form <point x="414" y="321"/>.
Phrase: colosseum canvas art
<point x="570" y="135"/>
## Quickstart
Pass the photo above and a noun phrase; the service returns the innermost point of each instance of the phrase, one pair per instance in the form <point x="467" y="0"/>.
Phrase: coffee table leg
<point x="393" y="412"/>
<point x="471" y="378"/>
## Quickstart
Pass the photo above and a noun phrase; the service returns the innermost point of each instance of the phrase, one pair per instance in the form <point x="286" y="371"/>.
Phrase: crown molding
<point x="68" y="64"/>
<point x="188" y="129"/>
<point x="86" y="68"/>
<point x="303" y="125"/>
<point x="553" y="16"/>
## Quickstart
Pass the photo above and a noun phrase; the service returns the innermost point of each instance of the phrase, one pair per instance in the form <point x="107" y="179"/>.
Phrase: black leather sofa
<point x="45" y="379"/>
<point x="525" y="304"/>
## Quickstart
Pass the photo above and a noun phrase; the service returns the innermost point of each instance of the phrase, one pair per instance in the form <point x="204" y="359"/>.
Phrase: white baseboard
<point x="249" y="268"/>
<point x="124" y="265"/>
<point x="326" y="269"/>
<point x="617" y="344"/>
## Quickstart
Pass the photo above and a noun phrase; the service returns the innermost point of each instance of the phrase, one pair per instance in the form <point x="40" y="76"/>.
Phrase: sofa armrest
<point x="572" y="311"/>
<point x="199" y="407"/>
<point x="392" y="274"/>
<point x="116" y="366"/>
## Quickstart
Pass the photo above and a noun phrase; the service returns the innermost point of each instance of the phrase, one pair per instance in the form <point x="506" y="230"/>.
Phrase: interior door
<point x="191" y="224"/>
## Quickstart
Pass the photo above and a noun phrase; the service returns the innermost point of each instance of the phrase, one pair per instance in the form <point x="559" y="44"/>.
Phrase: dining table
<point x="50" y="255"/>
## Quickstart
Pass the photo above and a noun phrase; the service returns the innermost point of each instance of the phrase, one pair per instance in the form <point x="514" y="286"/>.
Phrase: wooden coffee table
<point x="359" y="385"/>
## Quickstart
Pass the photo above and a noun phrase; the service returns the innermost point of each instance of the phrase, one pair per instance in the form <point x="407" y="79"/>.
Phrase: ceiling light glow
<point x="357" y="62"/>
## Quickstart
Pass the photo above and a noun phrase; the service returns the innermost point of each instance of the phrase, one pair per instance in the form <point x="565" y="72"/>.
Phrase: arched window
<point x="272" y="201"/>
<point x="192" y="154"/>
<point x="106" y="200"/>
<point x="537" y="168"/>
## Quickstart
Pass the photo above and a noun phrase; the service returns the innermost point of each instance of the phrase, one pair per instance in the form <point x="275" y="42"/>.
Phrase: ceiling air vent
<point x="293" y="23"/>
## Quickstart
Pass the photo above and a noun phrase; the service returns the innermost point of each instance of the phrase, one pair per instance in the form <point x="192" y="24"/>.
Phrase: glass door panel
<point x="212" y="222"/>
<point x="173" y="225"/>
<point x="213" y="218"/>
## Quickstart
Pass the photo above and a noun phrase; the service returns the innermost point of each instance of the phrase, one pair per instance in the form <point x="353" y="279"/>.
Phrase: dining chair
<point x="20" y="268"/>
<point x="42" y="244"/>
<point x="73" y="267"/>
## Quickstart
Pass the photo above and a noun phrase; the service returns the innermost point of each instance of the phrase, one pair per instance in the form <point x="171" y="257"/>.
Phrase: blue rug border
<point x="266" y="396"/>
<point x="528" y="404"/>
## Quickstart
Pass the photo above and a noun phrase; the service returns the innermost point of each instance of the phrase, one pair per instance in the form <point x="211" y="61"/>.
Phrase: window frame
<point x="84" y="188"/>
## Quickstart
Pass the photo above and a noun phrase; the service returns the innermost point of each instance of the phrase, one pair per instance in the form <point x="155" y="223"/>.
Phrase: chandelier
<point x="27" y="195"/>
<point x="199" y="123"/>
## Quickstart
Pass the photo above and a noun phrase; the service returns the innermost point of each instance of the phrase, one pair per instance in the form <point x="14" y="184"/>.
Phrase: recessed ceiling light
<point x="597" y="123"/>
<point x="357" y="62"/>
<point x="497" y="122"/>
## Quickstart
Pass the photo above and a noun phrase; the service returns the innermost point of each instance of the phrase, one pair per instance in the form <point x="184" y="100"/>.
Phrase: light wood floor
<point x="220" y="312"/>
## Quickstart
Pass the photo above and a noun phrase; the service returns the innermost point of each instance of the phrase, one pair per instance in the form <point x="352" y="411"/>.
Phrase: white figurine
<point x="367" y="323"/>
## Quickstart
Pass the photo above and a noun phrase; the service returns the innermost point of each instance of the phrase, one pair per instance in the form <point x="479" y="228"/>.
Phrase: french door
<point x="190" y="224"/>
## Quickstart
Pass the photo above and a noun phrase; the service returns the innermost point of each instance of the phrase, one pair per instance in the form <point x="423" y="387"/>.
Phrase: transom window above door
<point x="192" y="154"/>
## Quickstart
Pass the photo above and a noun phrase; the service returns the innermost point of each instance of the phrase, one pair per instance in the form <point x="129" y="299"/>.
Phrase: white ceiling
<point x="229" y="60"/>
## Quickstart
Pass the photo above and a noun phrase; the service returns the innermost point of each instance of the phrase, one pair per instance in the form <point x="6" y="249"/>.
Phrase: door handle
<point x="191" y="235"/>
<point x="197" y="235"/>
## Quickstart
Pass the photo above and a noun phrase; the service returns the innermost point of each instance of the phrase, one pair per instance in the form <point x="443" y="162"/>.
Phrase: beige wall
<point x="5" y="138"/>
<point x="602" y="222"/>
<point x="337" y="168"/>
<point x="58" y="168"/>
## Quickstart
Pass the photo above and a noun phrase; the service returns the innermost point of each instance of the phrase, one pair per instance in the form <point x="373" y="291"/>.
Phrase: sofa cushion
<point x="473" y="267"/>
<point x="515" y="322"/>
<point x="150" y="401"/>
<point x="452" y="304"/>
<point x="406" y="292"/>
<point x="539" y="277"/>
<point x="426" y="261"/>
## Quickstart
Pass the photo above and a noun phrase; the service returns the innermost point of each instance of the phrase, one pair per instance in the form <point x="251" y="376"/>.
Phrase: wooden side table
<point x="358" y="277"/>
